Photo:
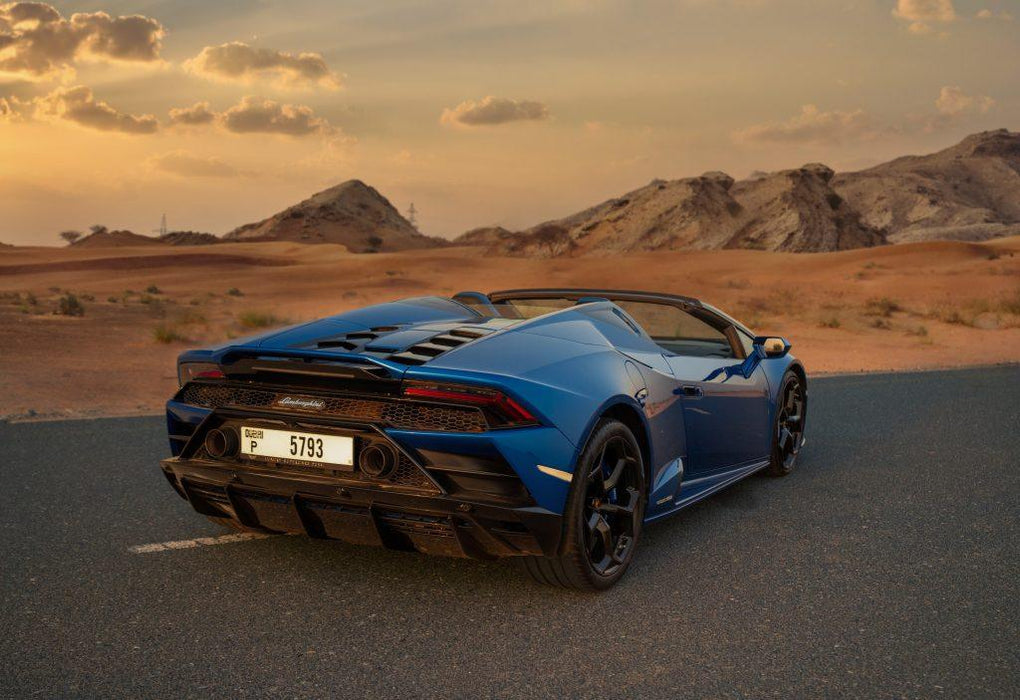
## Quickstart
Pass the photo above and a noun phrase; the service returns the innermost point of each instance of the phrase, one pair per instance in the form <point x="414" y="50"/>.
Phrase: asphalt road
<point x="886" y="566"/>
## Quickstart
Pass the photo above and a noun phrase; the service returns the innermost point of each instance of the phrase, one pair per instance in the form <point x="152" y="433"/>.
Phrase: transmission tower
<point x="412" y="216"/>
<point x="162" y="226"/>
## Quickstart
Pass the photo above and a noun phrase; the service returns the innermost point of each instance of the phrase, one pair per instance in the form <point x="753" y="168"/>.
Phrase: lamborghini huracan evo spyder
<point x="543" y="424"/>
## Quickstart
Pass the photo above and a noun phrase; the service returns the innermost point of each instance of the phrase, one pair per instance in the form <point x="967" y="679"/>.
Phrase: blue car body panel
<point x="705" y="422"/>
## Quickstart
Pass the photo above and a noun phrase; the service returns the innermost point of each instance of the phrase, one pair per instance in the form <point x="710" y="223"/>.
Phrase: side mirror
<point x="772" y="346"/>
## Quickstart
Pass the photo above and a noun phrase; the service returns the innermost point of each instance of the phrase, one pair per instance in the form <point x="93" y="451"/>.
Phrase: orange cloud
<point x="239" y="62"/>
<point x="922" y="13"/>
<point x="198" y="114"/>
<point x="78" y="104"/>
<point x="491" y="110"/>
<point x="812" y="125"/>
<point x="37" y="42"/>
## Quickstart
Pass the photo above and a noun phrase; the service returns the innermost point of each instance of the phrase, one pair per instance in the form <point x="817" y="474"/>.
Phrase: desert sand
<point x="910" y="306"/>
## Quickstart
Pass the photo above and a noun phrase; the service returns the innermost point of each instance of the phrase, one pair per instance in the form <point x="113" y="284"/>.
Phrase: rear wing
<point x="313" y="363"/>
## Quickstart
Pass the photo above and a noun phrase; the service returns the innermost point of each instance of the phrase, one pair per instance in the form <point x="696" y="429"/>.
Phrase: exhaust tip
<point x="377" y="460"/>
<point x="221" y="443"/>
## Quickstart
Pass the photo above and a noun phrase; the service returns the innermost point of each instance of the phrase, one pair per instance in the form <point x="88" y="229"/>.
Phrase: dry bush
<point x="167" y="333"/>
<point x="70" y="306"/>
<point x="881" y="306"/>
<point x="258" y="319"/>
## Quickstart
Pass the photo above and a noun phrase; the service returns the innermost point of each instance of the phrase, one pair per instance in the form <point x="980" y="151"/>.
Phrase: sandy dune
<point x="921" y="305"/>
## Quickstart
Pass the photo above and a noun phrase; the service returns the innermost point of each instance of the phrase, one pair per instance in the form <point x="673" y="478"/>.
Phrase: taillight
<point x="189" y="371"/>
<point x="500" y="409"/>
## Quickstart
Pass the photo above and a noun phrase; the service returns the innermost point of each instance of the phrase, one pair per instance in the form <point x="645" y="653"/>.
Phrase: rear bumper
<point x="320" y="507"/>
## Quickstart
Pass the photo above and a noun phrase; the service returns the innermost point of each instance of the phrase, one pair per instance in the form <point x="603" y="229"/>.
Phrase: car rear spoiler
<point x="320" y="363"/>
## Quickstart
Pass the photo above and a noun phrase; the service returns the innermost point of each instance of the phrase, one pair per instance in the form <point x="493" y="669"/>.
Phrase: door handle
<point x="691" y="391"/>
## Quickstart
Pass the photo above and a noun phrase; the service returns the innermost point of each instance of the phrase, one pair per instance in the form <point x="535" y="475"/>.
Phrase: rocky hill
<point x="797" y="211"/>
<point x="970" y="191"/>
<point x="793" y="210"/>
<point x="114" y="239"/>
<point x="189" y="238"/>
<point x="352" y="214"/>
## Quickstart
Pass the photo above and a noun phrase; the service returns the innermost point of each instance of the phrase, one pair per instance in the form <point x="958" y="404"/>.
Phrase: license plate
<point x="300" y="447"/>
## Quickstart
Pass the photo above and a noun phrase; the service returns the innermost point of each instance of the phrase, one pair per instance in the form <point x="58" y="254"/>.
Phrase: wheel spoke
<point x="611" y="481"/>
<point x="597" y="474"/>
<point x="784" y="437"/>
<point x="600" y="534"/>
<point x="791" y="396"/>
<point x="621" y="549"/>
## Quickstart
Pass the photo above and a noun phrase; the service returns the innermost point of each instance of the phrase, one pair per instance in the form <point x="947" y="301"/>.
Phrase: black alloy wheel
<point x="791" y="417"/>
<point x="604" y="513"/>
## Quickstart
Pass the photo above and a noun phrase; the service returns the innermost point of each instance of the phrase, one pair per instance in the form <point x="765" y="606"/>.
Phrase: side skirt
<point x="697" y="489"/>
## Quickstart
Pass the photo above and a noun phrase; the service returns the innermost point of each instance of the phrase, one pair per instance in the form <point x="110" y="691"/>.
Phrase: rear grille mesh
<point x="406" y="473"/>
<point x="394" y="413"/>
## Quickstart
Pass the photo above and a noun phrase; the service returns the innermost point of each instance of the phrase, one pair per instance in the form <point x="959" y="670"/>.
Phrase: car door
<point x="723" y="393"/>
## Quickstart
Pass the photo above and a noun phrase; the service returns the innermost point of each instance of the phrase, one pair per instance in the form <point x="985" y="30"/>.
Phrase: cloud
<point x="494" y="110"/>
<point x="988" y="14"/>
<point x="953" y="102"/>
<point x="257" y="115"/>
<point x="242" y="63"/>
<point x="78" y="104"/>
<point x="190" y="165"/>
<point x="198" y="114"/>
<point x="811" y="126"/>
<point x="37" y="42"/>
<point x="922" y="13"/>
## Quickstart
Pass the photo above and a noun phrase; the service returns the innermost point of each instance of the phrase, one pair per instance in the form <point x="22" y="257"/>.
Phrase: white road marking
<point x="197" y="542"/>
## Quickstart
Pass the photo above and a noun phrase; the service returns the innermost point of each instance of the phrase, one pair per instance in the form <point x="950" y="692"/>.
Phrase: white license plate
<point x="302" y="447"/>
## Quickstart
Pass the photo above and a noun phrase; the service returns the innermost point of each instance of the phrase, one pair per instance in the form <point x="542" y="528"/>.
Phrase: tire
<point x="231" y="524"/>
<point x="788" y="425"/>
<point x="603" y="516"/>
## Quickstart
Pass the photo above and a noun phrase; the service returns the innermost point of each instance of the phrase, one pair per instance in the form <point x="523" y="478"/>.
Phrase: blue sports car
<point x="543" y="424"/>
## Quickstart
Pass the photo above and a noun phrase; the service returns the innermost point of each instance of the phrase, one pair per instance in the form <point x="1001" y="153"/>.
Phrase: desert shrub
<point x="55" y="290"/>
<point x="112" y="300"/>
<point x="153" y="289"/>
<point x="257" y="319"/>
<point x="349" y="294"/>
<point x="235" y="292"/>
<point x="88" y="297"/>
<point x="830" y="322"/>
<point x="883" y="306"/>
<point x="167" y="333"/>
<point x="737" y="284"/>
<point x="148" y="299"/>
<point x="920" y="331"/>
<point x="881" y="324"/>
<point x="30" y="299"/>
<point x="70" y="306"/>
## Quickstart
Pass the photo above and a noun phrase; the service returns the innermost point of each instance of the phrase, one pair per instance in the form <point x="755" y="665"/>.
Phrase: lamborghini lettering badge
<point x="301" y="402"/>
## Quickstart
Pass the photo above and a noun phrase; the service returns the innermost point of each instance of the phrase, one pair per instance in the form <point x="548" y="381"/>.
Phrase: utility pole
<point x="412" y="216"/>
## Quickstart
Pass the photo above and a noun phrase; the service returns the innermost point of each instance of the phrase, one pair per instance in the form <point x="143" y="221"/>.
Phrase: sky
<point x="479" y="112"/>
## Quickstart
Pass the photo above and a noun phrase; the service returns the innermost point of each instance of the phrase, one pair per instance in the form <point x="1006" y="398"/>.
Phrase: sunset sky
<point x="222" y="112"/>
